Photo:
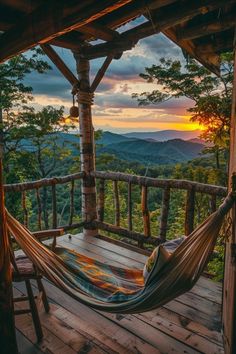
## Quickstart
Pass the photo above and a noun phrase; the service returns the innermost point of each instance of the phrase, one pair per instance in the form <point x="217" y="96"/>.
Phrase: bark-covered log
<point x="136" y="236"/>
<point x="162" y="183"/>
<point x="130" y="223"/>
<point x="87" y="153"/>
<point x="164" y="213"/>
<point x="101" y="200"/>
<point x="189" y="212"/>
<point x="18" y="187"/>
<point x="116" y="203"/>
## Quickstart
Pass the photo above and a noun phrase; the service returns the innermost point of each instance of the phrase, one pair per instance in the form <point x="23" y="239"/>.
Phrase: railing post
<point x="87" y="155"/>
<point x="7" y="324"/>
<point x="189" y="211"/>
<point x="101" y="200"/>
<point x="164" y="213"/>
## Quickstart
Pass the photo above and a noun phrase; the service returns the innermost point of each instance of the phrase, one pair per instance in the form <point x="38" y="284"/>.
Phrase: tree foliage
<point x="211" y="95"/>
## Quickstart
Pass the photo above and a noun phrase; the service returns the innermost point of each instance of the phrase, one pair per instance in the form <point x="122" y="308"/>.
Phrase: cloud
<point x="113" y="101"/>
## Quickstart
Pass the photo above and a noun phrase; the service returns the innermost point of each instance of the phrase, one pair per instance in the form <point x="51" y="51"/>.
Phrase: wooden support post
<point x="39" y="209"/>
<point x="229" y="290"/>
<point x="87" y="155"/>
<point x="145" y="212"/>
<point x="130" y="223"/>
<point x="72" y="206"/>
<point x="189" y="212"/>
<point x="164" y="213"/>
<point x="7" y="324"/>
<point x="54" y="207"/>
<point x="116" y="203"/>
<point x="101" y="200"/>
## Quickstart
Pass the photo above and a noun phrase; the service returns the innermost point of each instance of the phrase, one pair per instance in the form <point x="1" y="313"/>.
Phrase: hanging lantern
<point x="74" y="110"/>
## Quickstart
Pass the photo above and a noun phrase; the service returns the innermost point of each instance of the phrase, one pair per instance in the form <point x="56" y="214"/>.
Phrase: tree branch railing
<point x="116" y="179"/>
<point x="37" y="186"/>
<point x="167" y="186"/>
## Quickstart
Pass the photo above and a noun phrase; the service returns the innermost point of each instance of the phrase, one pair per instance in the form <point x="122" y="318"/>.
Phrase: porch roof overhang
<point x="204" y="28"/>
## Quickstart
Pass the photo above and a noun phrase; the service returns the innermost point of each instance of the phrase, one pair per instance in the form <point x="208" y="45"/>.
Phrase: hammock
<point x="118" y="290"/>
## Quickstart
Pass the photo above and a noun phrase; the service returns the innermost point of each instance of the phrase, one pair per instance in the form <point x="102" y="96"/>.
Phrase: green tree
<point x="211" y="95"/>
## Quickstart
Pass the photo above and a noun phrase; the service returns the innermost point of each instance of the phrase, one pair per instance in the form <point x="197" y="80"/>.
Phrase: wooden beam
<point x="59" y="64"/>
<point x="87" y="151"/>
<point x="161" y="20"/>
<point x="220" y="43"/>
<point x="229" y="292"/>
<point x="101" y="73"/>
<point x="71" y="40"/>
<point x="210" y="60"/>
<point x="98" y="32"/>
<point x="52" y="20"/>
<point x="7" y="325"/>
<point x="207" y="28"/>
<point x="133" y="10"/>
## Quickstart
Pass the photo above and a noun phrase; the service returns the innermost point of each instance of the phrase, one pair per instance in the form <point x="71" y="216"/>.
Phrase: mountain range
<point x="148" y="150"/>
<point x="165" y="135"/>
<point x="145" y="150"/>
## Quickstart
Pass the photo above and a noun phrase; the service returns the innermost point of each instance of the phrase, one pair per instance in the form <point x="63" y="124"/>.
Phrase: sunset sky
<point x="114" y="109"/>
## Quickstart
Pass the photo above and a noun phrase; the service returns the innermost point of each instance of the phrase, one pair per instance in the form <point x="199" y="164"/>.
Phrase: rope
<point x="85" y="97"/>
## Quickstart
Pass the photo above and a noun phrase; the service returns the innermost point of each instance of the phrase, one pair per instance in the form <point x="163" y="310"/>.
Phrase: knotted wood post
<point x="87" y="155"/>
<point x="7" y="324"/>
<point x="229" y="290"/>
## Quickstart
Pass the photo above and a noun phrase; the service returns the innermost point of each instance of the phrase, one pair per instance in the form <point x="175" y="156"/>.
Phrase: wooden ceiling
<point x="202" y="28"/>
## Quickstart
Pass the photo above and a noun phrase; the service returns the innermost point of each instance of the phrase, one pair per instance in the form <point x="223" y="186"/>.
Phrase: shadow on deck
<point x="189" y="324"/>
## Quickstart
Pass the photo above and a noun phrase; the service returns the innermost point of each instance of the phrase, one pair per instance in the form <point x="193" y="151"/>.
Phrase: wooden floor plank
<point x="114" y="248"/>
<point x="184" y="335"/>
<point x="57" y="328"/>
<point x="127" y="262"/>
<point x="99" y="327"/>
<point x="188" y="324"/>
<point x="24" y="345"/>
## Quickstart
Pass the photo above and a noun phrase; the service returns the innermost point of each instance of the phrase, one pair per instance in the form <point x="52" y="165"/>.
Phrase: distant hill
<point x="111" y="138"/>
<point x="169" y="152"/>
<point x="137" y="150"/>
<point x="165" y="135"/>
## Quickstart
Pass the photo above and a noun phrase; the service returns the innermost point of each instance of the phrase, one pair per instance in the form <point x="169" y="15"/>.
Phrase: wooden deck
<point x="188" y="324"/>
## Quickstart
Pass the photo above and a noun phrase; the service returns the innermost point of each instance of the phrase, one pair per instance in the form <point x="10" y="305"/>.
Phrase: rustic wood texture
<point x="72" y="206"/>
<point x="58" y="62"/>
<point x="54" y="207"/>
<point x="130" y="222"/>
<point x="7" y="330"/>
<point x="189" y="324"/>
<point x="229" y="298"/>
<point x="133" y="235"/>
<point x="18" y="187"/>
<point x="51" y="24"/>
<point x="161" y="183"/>
<point x="39" y="205"/>
<point x="87" y="154"/>
<point x="24" y="208"/>
<point x="116" y="203"/>
<point x="164" y="214"/>
<point x="189" y="212"/>
<point x="101" y="72"/>
<point x="145" y="212"/>
<point x="101" y="200"/>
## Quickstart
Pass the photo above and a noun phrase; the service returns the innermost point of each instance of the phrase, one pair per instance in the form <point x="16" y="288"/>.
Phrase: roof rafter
<point x="208" y="27"/>
<point x="51" y="20"/>
<point x="161" y="20"/>
<point x="59" y="63"/>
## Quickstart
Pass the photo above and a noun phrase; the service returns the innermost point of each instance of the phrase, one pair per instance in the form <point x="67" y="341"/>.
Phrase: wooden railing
<point x="167" y="187"/>
<point x="40" y="185"/>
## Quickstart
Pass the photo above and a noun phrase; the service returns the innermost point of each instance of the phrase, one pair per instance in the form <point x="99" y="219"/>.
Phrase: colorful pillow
<point x="154" y="263"/>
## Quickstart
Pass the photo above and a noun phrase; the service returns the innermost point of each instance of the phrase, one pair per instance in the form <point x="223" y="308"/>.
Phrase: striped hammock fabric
<point x="118" y="290"/>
